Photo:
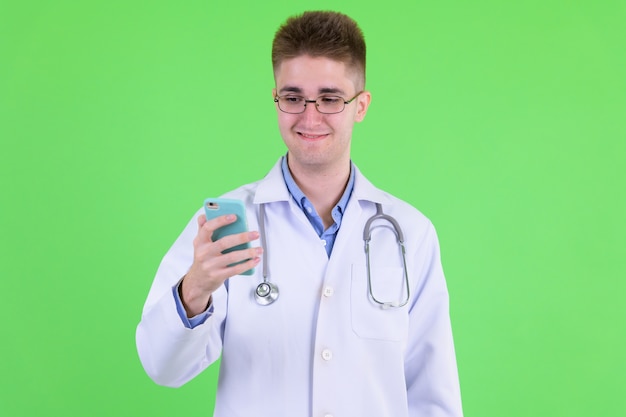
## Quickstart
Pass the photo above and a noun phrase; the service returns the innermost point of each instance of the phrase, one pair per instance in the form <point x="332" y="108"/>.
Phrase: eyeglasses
<point x="324" y="104"/>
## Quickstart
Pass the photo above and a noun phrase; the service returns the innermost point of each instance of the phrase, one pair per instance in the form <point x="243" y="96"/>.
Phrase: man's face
<point x="318" y="141"/>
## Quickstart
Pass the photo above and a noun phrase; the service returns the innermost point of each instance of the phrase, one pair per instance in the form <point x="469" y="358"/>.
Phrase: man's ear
<point x="363" y="102"/>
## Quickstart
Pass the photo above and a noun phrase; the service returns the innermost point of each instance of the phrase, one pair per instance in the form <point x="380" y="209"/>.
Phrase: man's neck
<point x="323" y="188"/>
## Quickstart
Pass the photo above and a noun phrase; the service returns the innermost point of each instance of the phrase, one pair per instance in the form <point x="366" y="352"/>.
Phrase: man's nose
<point x="311" y="113"/>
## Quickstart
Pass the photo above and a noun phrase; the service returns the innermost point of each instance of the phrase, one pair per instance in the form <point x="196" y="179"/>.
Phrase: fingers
<point x="231" y="241"/>
<point x="218" y="260"/>
<point x="213" y="264"/>
<point x="219" y="268"/>
<point x="206" y="228"/>
<point x="235" y="262"/>
<point x="231" y="260"/>
<point x="209" y="271"/>
<point x="240" y="268"/>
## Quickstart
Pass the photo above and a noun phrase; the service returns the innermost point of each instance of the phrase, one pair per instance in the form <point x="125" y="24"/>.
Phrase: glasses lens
<point x="330" y="104"/>
<point x="291" y="104"/>
<point x="324" y="104"/>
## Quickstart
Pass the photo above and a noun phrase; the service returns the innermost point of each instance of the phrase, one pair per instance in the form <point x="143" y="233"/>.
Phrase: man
<point x="352" y="333"/>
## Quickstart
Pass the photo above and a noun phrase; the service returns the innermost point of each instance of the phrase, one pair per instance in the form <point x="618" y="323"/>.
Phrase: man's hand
<point x="210" y="267"/>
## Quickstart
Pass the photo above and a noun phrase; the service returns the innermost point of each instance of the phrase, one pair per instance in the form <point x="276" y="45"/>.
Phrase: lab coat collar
<point x="272" y="188"/>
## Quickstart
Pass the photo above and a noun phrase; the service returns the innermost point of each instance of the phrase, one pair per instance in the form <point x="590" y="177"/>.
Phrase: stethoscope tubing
<point x="267" y="292"/>
<point x="367" y="237"/>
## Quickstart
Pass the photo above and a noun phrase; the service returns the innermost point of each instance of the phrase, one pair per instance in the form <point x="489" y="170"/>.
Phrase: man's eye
<point x="292" y="99"/>
<point x="330" y="100"/>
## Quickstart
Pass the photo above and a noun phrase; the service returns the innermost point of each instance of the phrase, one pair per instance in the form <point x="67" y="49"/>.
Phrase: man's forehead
<point x="320" y="75"/>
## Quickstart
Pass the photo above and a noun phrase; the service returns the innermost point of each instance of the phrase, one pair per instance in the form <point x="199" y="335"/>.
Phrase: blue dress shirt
<point x="329" y="235"/>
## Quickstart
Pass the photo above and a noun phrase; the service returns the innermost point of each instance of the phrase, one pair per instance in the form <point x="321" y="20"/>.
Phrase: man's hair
<point x="321" y="34"/>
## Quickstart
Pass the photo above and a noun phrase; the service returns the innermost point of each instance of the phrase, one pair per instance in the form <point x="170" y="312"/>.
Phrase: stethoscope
<point x="267" y="292"/>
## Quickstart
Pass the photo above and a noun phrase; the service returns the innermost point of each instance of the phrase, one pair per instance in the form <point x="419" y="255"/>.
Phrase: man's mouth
<point x="312" y="136"/>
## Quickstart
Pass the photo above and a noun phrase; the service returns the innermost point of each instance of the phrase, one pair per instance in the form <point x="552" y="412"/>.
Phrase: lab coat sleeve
<point x="171" y="353"/>
<point x="430" y="363"/>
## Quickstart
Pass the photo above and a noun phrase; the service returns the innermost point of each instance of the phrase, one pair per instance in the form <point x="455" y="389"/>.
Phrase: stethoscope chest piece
<point x="266" y="293"/>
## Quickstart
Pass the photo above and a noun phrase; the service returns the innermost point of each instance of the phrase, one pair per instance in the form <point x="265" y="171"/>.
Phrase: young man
<point x="354" y="332"/>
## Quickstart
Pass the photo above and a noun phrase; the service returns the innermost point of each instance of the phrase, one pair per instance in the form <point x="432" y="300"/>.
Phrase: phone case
<point x="215" y="207"/>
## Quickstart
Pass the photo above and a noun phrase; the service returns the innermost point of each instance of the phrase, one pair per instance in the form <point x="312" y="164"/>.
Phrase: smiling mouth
<point x="311" y="136"/>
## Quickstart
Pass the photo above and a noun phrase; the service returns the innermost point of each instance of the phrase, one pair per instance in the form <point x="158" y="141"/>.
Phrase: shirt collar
<point x="273" y="188"/>
<point x="299" y="196"/>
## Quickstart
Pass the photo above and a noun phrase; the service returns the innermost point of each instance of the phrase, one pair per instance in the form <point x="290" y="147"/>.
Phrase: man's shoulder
<point x="245" y="192"/>
<point x="405" y="209"/>
<point x="391" y="204"/>
<point x="269" y="189"/>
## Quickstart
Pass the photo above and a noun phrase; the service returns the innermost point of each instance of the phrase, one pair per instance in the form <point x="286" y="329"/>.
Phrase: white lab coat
<point x="323" y="348"/>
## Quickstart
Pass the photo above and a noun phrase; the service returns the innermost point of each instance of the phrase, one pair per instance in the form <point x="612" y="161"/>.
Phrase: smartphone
<point x="215" y="207"/>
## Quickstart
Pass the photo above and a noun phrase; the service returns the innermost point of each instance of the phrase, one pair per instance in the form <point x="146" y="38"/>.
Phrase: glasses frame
<point x="317" y="106"/>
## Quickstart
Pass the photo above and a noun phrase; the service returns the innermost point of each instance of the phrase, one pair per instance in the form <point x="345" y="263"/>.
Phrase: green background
<point x="504" y="122"/>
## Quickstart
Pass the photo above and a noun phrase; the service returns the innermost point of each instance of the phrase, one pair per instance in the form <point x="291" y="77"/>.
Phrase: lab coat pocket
<point x="369" y="319"/>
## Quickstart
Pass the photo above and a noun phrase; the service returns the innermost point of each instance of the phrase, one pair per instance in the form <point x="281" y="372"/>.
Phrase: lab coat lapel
<point x="272" y="189"/>
<point x="361" y="203"/>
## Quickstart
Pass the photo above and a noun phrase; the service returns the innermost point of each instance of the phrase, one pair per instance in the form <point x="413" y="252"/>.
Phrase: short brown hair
<point x="321" y="34"/>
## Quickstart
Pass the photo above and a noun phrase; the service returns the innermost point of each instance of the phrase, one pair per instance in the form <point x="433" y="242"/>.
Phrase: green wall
<point x="504" y="122"/>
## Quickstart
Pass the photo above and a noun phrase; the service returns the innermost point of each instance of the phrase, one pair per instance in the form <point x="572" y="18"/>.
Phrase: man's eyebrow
<point x="322" y="90"/>
<point x="290" y="89"/>
<point x="331" y="90"/>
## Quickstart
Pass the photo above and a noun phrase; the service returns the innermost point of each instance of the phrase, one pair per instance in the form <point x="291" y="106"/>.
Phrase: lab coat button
<point x="328" y="291"/>
<point x="327" y="354"/>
